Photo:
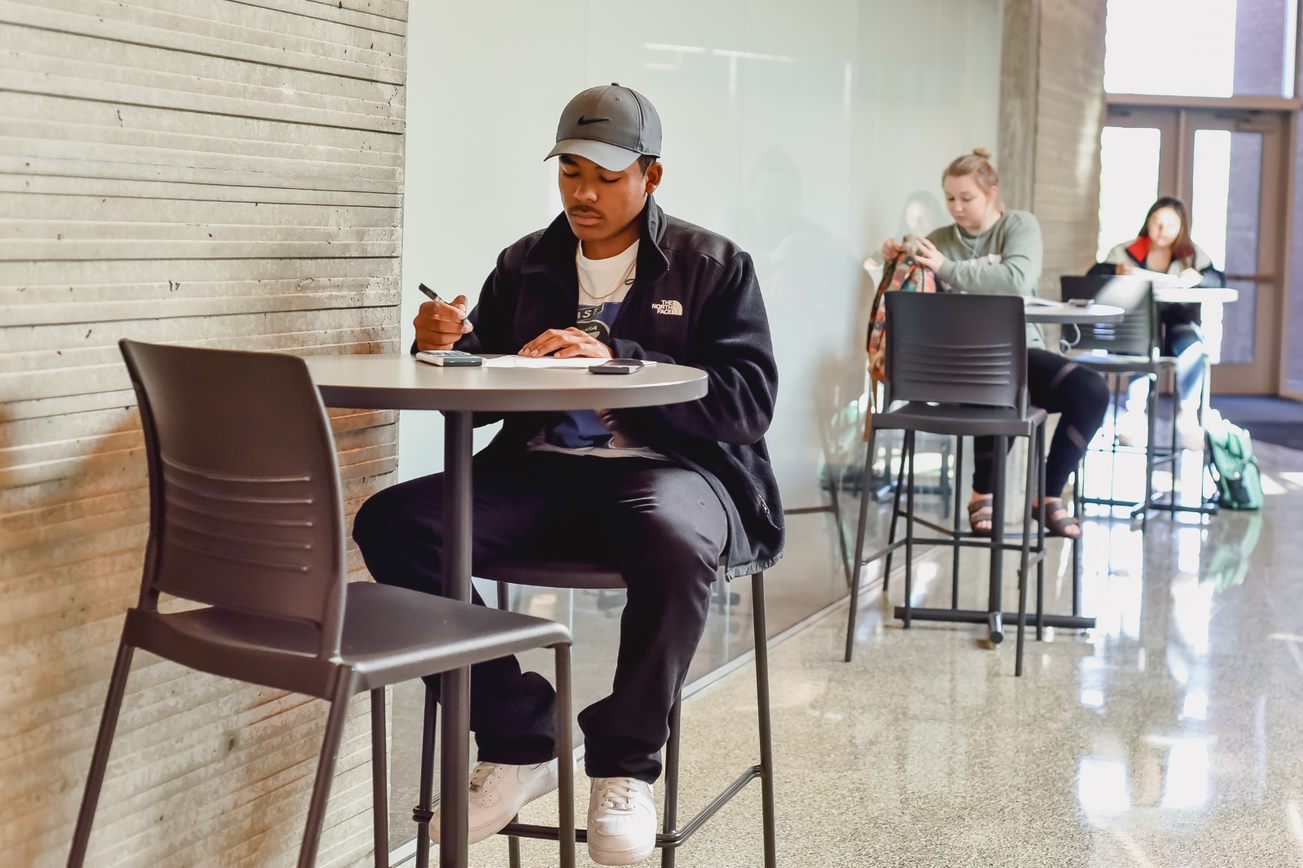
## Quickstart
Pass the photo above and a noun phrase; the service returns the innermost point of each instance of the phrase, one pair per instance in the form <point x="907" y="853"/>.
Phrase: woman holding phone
<point x="991" y="250"/>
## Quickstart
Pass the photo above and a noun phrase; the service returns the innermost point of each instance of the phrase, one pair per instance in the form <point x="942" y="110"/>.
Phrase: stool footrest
<point x="664" y="840"/>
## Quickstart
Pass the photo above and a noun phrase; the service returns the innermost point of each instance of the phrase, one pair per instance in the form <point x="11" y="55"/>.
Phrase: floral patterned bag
<point x="901" y="274"/>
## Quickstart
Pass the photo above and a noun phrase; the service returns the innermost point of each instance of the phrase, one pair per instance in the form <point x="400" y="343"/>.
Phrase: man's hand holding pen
<point x="438" y="323"/>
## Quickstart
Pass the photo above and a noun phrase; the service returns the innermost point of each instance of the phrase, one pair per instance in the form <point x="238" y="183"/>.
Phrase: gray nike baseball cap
<point x="610" y="125"/>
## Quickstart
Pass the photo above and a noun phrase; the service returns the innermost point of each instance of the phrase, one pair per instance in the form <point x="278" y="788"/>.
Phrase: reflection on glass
<point x="1102" y="785"/>
<point x="1187" y="774"/>
<point x="1212" y="181"/>
<point x="1128" y="181"/>
<point x="1200" y="47"/>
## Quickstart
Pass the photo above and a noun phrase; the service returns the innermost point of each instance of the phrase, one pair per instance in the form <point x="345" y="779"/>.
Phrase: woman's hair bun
<point x="982" y="152"/>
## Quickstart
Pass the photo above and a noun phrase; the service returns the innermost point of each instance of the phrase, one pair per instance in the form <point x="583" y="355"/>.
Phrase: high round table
<point x="1057" y="312"/>
<point x="1195" y="294"/>
<point x="400" y="382"/>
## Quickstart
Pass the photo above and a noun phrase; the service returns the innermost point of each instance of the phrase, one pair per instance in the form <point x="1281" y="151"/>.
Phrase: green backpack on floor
<point x="1239" y="481"/>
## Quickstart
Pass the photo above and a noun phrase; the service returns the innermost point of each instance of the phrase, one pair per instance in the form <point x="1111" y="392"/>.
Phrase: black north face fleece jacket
<point x="694" y="301"/>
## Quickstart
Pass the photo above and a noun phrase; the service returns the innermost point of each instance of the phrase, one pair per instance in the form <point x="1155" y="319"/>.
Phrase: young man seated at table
<point x="664" y="493"/>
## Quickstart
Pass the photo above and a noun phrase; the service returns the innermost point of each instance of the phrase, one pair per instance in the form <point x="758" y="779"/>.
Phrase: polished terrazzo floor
<point x="1170" y="735"/>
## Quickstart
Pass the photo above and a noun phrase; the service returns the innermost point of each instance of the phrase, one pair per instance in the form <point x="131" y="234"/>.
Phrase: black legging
<point x="1057" y="385"/>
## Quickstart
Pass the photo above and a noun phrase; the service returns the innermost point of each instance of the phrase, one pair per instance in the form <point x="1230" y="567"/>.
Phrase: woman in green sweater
<point x="993" y="251"/>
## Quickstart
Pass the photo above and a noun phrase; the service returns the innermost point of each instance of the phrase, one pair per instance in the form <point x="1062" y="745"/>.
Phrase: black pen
<point x="430" y="293"/>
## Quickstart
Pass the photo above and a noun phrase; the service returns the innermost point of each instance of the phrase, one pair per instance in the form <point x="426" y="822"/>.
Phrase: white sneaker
<point x="497" y="793"/>
<point x="621" y="821"/>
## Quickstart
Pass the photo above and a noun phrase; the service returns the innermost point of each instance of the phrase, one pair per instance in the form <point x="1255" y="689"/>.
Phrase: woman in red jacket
<point x="1164" y="246"/>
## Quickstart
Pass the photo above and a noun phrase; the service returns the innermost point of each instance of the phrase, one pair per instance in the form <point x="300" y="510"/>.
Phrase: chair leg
<point x="944" y="484"/>
<point x="857" y="566"/>
<point x="1041" y="494"/>
<point x="1151" y="408"/>
<point x="422" y="813"/>
<point x="995" y="592"/>
<point x="1029" y="490"/>
<point x="379" y="780"/>
<point x="1078" y="491"/>
<point x="504" y="596"/>
<point x="513" y="843"/>
<point x="100" y="756"/>
<point x="1173" y="460"/>
<point x="762" y="708"/>
<point x="895" y="514"/>
<point x="909" y="526"/>
<point x="954" y="540"/>
<point x="671" y="818"/>
<point x="565" y="765"/>
<point x="325" y="772"/>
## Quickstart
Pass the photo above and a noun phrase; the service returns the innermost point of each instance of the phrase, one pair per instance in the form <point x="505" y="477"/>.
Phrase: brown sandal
<point x="979" y="510"/>
<point x="1057" y="518"/>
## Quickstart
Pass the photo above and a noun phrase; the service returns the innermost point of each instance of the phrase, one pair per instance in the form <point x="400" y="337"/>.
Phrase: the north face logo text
<point x="668" y="307"/>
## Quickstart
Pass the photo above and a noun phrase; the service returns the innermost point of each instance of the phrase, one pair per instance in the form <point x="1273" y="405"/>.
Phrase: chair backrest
<point x="245" y="508"/>
<point x="1137" y="333"/>
<point x="957" y="349"/>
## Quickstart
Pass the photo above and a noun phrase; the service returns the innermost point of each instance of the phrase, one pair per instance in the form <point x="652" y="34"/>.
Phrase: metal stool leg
<point x="1151" y="408"/>
<point x="422" y="813"/>
<point x="995" y="617"/>
<point x="379" y="780"/>
<point x="325" y="773"/>
<point x="857" y="565"/>
<point x="1029" y="489"/>
<point x="1041" y="494"/>
<point x="672" y="781"/>
<point x="762" y="709"/>
<point x="895" y="514"/>
<point x="954" y="545"/>
<point x="565" y="765"/>
<point x="100" y="756"/>
<point x="909" y="526"/>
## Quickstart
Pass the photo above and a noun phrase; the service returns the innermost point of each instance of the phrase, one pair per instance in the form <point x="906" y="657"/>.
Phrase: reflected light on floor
<point x="1102" y="786"/>
<point x="1295" y="823"/>
<point x="1187" y="774"/>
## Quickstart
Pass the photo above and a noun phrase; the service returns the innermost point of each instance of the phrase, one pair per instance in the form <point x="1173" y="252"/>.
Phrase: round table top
<point x="1046" y="311"/>
<point x="399" y="382"/>
<point x="1195" y="294"/>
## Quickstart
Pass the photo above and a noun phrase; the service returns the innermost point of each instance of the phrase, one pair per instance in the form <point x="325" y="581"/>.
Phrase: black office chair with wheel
<point x="246" y="518"/>
<point x="957" y="366"/>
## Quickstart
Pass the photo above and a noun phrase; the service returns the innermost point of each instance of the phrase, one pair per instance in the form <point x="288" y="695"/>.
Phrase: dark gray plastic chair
<point x="1125" y="349"/>
<point x="957" y="366"/>
<point x="246" y="518"/>
<point x="589" y="576"/>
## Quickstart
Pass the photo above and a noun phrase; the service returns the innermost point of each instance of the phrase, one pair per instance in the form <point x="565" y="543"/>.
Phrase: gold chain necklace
<point x="579" y="273"/>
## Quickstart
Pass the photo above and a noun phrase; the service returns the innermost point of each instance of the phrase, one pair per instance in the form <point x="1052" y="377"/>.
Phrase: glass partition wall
<point x="808" y="134"/>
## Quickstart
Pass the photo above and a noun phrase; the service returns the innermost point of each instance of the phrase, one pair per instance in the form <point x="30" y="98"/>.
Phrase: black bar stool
<point x="957" y="365"/>
<point x="589" y="576"/>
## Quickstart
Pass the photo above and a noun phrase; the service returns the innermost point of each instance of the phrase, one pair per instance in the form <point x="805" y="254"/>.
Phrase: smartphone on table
<point x="449" y="358"/>
<point x="617" y="366"/>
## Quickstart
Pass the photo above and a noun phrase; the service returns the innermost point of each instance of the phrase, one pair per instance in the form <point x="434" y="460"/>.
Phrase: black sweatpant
<point x="659" y="523"/>
<point x="1056" y="385"/>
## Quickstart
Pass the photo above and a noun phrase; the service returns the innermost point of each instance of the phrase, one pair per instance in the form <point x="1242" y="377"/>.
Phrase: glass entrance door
<point x="1227" y="167"/>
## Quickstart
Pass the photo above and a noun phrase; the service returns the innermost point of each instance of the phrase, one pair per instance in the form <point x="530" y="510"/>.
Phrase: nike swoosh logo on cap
<point x="583" y="121"/>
